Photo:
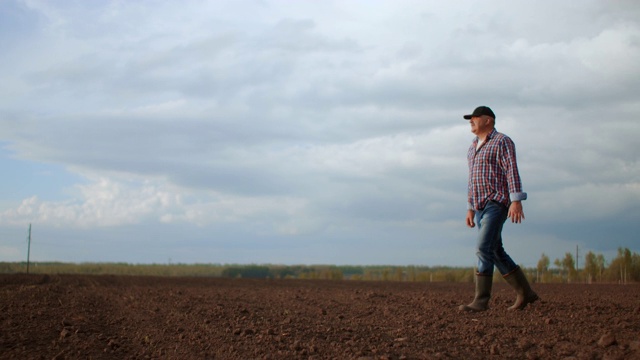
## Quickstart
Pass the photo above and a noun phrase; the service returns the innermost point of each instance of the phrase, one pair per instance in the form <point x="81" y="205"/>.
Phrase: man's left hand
<point x="515" y="212"/>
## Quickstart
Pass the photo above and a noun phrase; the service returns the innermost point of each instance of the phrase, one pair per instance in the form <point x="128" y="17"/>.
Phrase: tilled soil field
<point x="119" y="317"/>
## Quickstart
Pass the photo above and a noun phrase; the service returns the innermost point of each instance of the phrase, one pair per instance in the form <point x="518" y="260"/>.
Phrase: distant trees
<point x="543" y="268"/>
<point x="594" y="266"/>
<point x="248" y="272"/>
<point x="624" y="268"/>
<point x="569" y="266"/>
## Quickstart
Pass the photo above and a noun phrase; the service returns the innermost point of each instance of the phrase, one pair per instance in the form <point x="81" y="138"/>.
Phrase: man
<point x="495" y="194"/>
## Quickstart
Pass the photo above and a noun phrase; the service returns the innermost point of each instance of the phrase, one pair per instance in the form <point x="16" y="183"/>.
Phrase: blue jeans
<point x="490" y="251"/>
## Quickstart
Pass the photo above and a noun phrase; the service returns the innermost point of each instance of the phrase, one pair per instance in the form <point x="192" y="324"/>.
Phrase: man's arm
<point x="516" y="195"/>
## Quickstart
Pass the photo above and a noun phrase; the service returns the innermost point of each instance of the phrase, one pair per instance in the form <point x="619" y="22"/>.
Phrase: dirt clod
<point x="64" y="333"/>
<point x="607" y="340"/>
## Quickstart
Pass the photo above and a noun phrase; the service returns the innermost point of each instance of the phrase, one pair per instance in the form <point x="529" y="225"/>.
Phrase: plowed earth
<point x="118" y="317"/>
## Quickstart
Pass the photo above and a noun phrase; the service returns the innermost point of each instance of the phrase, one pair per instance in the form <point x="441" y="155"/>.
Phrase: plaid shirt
<point x="493" y="172"/>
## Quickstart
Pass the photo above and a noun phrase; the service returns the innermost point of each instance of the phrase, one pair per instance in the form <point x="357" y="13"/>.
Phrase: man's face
<point x="480" y="124"/>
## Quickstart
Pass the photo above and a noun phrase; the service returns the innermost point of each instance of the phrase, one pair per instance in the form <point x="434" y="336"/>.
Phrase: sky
<point x="311" y="132"/>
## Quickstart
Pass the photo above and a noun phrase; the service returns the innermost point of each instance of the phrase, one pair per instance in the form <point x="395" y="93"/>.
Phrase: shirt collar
<point x="493" y="132"/>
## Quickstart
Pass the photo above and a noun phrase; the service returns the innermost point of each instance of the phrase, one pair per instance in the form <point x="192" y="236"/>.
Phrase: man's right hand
<point x="470" y="215"/>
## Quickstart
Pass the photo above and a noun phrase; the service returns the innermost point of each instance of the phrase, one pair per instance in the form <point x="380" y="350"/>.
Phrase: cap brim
<point x="468" y="117"/>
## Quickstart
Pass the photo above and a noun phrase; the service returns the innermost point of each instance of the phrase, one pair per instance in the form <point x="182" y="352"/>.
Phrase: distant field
<point x="253" y="271"/>
<point x="619" y="271"/>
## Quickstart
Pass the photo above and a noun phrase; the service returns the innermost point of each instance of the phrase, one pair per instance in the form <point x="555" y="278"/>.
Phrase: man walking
<point x="495" y="195"/>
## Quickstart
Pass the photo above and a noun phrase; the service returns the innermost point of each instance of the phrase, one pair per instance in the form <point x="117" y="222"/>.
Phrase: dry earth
<point x="119" y="317"/>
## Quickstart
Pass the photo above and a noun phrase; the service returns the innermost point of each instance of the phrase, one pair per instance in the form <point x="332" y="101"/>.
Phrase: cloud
<point x="102" y="203"/>
<point x="316" y="121"/>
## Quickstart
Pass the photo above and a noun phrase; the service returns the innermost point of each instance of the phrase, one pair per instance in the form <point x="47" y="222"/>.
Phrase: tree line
<point x="624" y="268"/>
<point x="252" y="271"/>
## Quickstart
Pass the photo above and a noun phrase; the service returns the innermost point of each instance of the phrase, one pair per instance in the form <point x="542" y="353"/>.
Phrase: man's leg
<point x="490" y="251"/>
<point x="483" y="294"/>
<point x="502" y="260"/>
<point x="518" y="281"/>
<point x="513" y="274"/>
<point x="490" y="221"/>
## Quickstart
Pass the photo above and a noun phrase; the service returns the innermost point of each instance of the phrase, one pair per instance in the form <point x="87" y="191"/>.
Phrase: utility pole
<point x="577" y="263"/>
<point x="28" y="248"/>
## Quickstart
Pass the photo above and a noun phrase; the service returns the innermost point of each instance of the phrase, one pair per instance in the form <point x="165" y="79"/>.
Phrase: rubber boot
<point x="483" y="294"/>
<point x="519" y="283"/>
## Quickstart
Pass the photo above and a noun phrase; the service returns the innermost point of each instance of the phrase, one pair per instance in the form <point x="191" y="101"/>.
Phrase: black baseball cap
<point x="479" y="111"/>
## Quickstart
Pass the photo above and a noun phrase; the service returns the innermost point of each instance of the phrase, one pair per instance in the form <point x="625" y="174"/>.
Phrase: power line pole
<point x="28" y="248"/>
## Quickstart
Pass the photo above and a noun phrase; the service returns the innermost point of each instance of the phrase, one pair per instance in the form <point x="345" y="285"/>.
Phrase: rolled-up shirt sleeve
<point x="510" y="165"/>
<point x="519" y="196"/>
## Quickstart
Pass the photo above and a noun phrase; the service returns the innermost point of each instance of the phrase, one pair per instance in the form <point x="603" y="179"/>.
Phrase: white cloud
<point x="103" y="202"/>
<point x="339" y="120"/>
<point x="614" y="52"/>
